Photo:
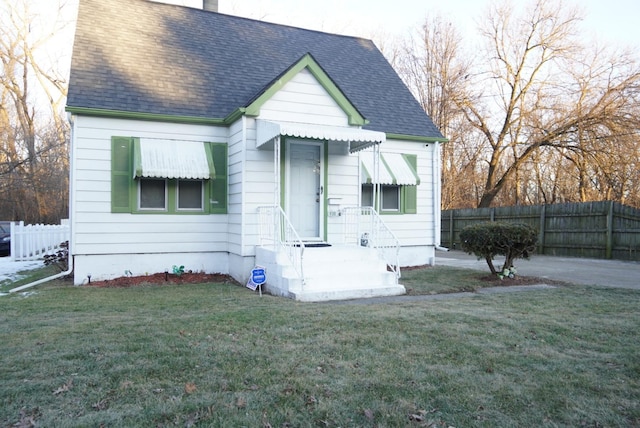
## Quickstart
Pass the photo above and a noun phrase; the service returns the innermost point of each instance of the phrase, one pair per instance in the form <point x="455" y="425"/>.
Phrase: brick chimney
<point x="210" y="5"/>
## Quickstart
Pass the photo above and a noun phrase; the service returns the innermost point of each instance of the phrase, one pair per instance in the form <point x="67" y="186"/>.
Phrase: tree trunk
<point x="491" y="266"/>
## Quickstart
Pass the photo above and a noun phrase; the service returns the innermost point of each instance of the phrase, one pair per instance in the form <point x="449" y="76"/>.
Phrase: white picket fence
<point x="34" y="241"/>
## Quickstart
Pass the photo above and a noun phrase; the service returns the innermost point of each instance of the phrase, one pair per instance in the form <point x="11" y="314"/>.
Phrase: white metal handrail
<point x="363" y="226"/>
<point x="276" y="230"/>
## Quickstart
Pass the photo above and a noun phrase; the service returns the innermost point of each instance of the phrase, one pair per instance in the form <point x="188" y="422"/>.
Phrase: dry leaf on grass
<point x="190" y="388"/>
<point x="265" y="422"/>
<point x="28" y="418"/>
<point x="415" y="417"/>
<point x="288" y="390"/>
<point x="101" y="405"/>
<point x="241" y="403"/>
<point x="64" y="388"/>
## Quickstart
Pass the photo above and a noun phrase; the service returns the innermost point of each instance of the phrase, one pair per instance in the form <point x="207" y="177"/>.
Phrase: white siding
<point x="259" y="182"/>
<point x="415" y="229"/>
<point x="343" y="186"/>
<point x="236" y="167"/>
<point x="304" y="100"/>
<point x="107" y="244"/>
<point x="97" y="231"/>
<point x="418" y="232"/>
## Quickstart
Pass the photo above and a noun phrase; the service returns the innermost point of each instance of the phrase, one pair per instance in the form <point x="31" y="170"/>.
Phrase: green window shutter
<point x="410" y="198"/>
<point x="410" y="193"/>
<point x="218" y="186"/>
<point x="121" y="174"/>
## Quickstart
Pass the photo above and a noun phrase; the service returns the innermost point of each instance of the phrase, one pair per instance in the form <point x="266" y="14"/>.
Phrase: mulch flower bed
<point x="163" y="279"/>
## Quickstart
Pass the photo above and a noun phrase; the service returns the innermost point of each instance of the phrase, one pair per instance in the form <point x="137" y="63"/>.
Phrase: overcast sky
<point x="607" y="20"/>
<point x="611" y="20"/>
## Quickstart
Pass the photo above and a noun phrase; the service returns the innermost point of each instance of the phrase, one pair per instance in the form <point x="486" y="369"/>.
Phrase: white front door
<point x="305" y="191"/>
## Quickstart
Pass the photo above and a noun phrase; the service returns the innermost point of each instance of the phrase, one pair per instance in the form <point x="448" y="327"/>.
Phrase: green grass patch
<point x="220" y="355"/>
<point x="27" y="276"/>
<point x="441" y="279"/>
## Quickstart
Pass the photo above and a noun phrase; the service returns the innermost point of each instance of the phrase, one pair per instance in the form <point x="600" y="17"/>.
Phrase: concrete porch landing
<point x="331" y="273"/>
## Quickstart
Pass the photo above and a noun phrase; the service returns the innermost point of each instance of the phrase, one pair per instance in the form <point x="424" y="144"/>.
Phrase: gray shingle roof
<point x="146" y="57"/>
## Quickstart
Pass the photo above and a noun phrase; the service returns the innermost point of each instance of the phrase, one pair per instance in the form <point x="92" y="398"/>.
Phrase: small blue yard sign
<point x="257" y="278"/>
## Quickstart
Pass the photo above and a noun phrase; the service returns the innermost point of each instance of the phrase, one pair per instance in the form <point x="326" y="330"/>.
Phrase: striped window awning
<point x="357" y="138"/>
<point x="393" y="169"/>
<point x="157" y="158"/>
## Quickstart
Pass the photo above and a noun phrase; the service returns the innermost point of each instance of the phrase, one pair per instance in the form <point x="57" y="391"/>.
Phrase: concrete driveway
<point x="609" y="273"/>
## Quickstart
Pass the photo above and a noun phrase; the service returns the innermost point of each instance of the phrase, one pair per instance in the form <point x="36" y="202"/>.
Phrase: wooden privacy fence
<point x="34" y="241"/>
<point x="601" y="230"/>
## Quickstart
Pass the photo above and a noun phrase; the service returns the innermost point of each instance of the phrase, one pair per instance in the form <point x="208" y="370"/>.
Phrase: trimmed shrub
<point x="489" y="239"/>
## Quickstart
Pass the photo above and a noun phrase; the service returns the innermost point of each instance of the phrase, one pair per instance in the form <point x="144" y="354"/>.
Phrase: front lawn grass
<point x="220" y="355"/>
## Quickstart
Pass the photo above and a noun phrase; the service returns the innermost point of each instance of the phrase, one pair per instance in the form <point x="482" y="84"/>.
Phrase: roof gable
<point x="137" y="58"/>
<point x="307" y="62"/>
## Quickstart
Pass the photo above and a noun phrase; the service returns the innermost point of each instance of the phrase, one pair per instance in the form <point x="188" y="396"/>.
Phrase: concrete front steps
<point x="331" y="273"/>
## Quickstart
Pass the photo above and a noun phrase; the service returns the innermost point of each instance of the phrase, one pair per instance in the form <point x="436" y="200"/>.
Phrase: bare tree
<point x="538" y="92"/>
<point x="435" y="66"/>
<point x="34" y="132"/>
<point x="536" y="117"/>
<point x="510" y="106"/>
<point x="605" y="154"/>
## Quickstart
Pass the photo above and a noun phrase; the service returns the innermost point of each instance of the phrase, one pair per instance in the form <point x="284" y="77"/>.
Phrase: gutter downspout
<point x="72" y="120"/>
<point x="47" y="279"/>
<point x="435" y="168"/>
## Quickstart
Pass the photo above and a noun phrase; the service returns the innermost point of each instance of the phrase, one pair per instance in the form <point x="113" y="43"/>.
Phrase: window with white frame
<point x="190" y="195"/>
<point x="152" y="194"/>
<point x="397" y="180"/>
<point x="390" y="198"/>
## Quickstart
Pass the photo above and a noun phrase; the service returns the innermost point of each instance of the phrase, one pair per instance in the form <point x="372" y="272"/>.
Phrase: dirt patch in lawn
<point x="489" y="280"/>
<point x="493" y="281"/>
<point x="159" y="279"/>
<point x="164" y="279"/>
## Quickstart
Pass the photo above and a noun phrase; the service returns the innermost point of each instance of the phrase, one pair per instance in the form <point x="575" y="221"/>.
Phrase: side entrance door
<point x="305" y="188"/>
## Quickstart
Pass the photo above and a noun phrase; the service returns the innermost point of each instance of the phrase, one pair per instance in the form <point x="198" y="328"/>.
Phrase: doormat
<point x="315" y="244"/>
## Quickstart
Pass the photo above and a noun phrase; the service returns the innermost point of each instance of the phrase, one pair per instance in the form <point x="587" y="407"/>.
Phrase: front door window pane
<point x="153" y="194"/>
<point x="189" y="195"/>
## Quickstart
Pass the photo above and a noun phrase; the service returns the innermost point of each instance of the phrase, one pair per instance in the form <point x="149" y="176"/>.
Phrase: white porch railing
<point x="363" y="226"/>
<point x="277" y="231"/>
<point x="34" y="241"/>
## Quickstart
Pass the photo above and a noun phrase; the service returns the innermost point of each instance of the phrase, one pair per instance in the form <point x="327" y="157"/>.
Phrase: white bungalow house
<point x="222" y="143"/>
